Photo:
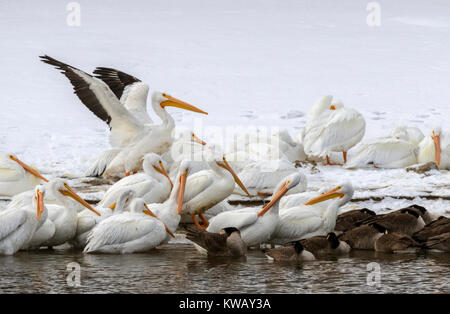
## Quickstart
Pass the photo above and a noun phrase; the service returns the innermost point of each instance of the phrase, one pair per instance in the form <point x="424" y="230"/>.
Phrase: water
<point x="179" y="268"/>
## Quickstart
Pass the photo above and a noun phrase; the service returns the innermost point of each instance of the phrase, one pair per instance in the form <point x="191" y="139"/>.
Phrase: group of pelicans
<point x="160" y="187"/>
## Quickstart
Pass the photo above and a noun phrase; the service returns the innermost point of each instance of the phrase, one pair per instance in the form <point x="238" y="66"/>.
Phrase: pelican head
<point x="343" y="192"/>
<point x="337" y="105"/>
<point x="154" y="161"/>
<point x="138" y="206"/>
<point x="281" y="189"/>
<point x="60" y="187"/>
<point x="123" y="200"/>
<point x="27" y="167"/>
<point x="223" y="163"/>
<point x="165" y="100"/>
<point x="39" y="199"/>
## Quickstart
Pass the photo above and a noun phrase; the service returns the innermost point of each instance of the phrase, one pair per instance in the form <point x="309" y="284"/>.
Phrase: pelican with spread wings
<point x="120" y="100"/>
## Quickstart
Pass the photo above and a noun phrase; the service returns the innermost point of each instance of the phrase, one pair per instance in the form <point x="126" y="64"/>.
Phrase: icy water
<point x="179" y="268"/>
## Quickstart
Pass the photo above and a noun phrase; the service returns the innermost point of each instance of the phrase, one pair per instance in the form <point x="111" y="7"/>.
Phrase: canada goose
<point x="440" y="242"/>
<point x="405" y="221"/>
<point x="294" y="253"/>
<point x="434" y="228"/>
<point x="423" y="212"/>
<point x="363" y="237"/>
<point x="329" y="244"/>
<point x="227" y="242"/>
<point x="395" y="242"/>
<point x="350" y="219"/>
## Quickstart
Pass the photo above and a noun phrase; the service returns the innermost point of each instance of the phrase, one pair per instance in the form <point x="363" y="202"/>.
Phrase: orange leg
<point x="345" y="156"/>
<point x="205" y="221"/>
<point x="197" y="223"/>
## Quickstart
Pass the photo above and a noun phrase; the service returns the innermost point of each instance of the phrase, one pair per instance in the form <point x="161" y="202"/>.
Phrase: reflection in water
<point x="179" y="268"/>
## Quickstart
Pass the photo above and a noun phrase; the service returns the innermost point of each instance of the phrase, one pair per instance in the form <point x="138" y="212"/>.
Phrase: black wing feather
<point x="81" y="88"/>
<point x="115" y="79"/>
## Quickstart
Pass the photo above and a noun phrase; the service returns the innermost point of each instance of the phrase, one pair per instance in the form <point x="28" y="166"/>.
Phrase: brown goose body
<point x="434" y="228"/>
<point x="226" y="243"/>
<point x="440" y="242"/>
<point x="351" y="219"/>
<point x="395" y="242"/>
<point x="329" y="244"/>
<point x="405" y="221"/>
<point x="290" y="253"/>
<point x="422" y="211"/>
<point x="363" y="237"/>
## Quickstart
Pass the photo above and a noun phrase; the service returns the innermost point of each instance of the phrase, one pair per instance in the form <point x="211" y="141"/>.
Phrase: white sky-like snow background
<point x="245" y="62"/>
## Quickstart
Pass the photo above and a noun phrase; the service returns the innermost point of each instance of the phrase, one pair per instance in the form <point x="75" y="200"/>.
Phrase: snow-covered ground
<point x="246" y="62"/>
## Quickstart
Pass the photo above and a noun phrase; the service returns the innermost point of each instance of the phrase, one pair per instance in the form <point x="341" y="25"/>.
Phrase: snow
<point x="248" y="63"/>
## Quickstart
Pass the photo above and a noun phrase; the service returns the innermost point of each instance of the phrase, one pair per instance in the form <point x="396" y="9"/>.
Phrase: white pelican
<point x="183" y="147"/>
<point x="261" y="177"/>
<point x="331" y="127"/>
<point x="157" y="139"/>
<point x="277" y="145"/>
<point x="435" y="147"/>
<point x="136" y="231"/>
<point x="255" y="227"/>
<point x="301" y="222"/>
<point x="153" y="185"/>
<point x="128" y="132"/>
<point x="87" y="220"/>
<point x="407" y="133"/>
<point x="16" y="176"/>
<point x="170" y="211"/>
<point x="398" y="150"/>
<point x="18" y="225"/>
<point x="63" y="212"/>
<point x="206" y="188"/>
<point x="383" y="152"/>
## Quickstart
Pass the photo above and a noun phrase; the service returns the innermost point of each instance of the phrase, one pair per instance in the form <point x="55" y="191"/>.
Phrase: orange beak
<point x="71" y="193"/>
<point x="172" y="101"/>
<point x="437" y="146"/>
<point x="183" y="179"/>
<point x="113" y="206"/>
<point x="275" y="199"/>
<point x="332" y="107"/>
<point x="326" y="196"/>
<point x="163" y="171"/>
<point x="197" y="140"/>
<point x="147" y="211"/>
<point x="227" y="166"/>
<point x="40" y="204"/>
<point x="28" y="168"/>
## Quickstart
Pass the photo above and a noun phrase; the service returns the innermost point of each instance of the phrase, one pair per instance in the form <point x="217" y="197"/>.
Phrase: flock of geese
<point x="159" y="187"/>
